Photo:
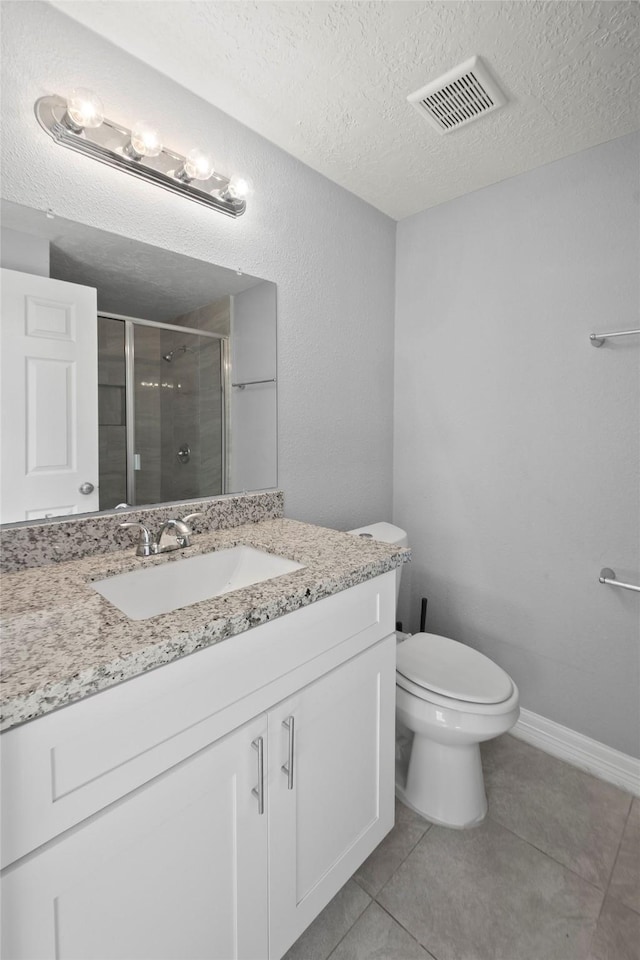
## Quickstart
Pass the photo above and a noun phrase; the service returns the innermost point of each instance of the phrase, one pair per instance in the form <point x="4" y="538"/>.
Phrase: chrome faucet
<point x="181" y="536"/>
<point x="165" y="541"/>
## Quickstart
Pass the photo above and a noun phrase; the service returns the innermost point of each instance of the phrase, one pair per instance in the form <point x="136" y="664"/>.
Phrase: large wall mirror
<point x="131" y="375"/>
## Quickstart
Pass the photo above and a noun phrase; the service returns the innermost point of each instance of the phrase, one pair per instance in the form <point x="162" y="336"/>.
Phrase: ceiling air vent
<point x="460" y="96"/>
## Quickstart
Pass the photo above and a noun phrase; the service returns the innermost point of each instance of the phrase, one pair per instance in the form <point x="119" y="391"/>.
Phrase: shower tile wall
<point x="148" y="390"/>
<point x="111" y="414"/>
<point x="192" y="404"/>
<point x="213" y="317"/>
<point x="179" y="416"/>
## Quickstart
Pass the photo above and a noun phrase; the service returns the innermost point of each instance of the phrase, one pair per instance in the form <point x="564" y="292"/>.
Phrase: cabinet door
<point x="177" y="869"/>
<point x="341" y="803"/>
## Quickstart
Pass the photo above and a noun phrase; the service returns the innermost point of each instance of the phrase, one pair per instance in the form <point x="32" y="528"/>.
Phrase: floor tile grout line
<point x="374" y="898"/>
<point x="513" y="833"/>
<point x="347" y="932"/>
<point x="385" y="885"/>
<point x="603" y="891"/>
<point x="372" y="895"/>
<point x="419" y="840"/>
<point x="546" y="854"/>
<point x="408" y="932"/>
<point x="615" y="860"/>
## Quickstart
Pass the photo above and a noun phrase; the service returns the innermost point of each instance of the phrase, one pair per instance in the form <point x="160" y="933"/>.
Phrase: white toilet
<point x="451" y="697"/>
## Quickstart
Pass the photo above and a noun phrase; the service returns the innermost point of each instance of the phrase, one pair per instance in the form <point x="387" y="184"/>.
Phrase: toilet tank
<point x="386" y="533"/>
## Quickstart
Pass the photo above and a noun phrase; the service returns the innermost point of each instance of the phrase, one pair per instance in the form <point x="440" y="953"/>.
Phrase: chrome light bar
<point x="110" y="143"/>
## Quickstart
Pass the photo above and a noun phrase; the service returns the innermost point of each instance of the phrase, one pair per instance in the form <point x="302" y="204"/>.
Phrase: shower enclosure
<point x="162" y="412"/>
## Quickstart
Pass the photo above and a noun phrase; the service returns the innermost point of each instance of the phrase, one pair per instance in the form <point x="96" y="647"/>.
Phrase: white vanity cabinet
<point x="342" y="799"/>
<point x="168" y="872"/>
<point x="135" y="831"/>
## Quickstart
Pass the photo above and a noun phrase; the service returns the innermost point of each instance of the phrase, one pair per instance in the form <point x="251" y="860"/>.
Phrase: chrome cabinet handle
<point x="287" y="768"/>
<point x="258" y="791"/>
<point x="86" y="488"/>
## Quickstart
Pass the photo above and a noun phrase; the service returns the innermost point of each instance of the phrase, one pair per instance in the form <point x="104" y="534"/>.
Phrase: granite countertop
<point x="62" y="641"/>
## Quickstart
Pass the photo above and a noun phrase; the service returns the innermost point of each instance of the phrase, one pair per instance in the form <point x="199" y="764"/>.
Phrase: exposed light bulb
<point x="84" y="109"/>
<point x="238" y="188"/>
<point x="145" y="141"/>
<point x="197" y="166"/>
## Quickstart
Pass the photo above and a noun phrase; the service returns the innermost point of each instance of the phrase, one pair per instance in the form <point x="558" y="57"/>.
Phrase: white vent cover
<point x="460" y="96"/>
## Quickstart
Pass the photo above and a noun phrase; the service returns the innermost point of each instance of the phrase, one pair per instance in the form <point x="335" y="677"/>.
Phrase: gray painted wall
<point x="252" y="410"/>
<point x="19" y="251"/>
<point x="331" y="255"/>
<point x="516" y="442"/>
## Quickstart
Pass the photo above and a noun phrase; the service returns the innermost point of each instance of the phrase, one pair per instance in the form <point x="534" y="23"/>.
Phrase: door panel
<point x="48" y="335"/>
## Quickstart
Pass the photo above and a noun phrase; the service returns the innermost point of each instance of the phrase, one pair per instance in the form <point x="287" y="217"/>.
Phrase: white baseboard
<point x="590" y="755"/>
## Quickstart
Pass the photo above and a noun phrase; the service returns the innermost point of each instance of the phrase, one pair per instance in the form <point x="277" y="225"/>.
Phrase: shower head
<point x="183" y="349"/>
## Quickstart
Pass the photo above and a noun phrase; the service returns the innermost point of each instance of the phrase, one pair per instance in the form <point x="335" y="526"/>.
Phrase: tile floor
<point x="553" y="873"/>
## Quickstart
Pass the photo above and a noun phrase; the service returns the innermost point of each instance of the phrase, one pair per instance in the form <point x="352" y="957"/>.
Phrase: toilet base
<point x="445" y="783"/>
<point x="402" y="797"/>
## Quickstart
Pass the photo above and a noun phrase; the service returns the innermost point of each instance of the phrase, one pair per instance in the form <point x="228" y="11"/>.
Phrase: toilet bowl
<point x="451" y="698"/>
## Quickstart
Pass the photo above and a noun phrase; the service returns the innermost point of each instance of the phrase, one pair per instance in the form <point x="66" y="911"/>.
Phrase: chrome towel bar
<point x="597" y="339"/>
<point x="608" y="576"/>
<point x="249" y="383"/>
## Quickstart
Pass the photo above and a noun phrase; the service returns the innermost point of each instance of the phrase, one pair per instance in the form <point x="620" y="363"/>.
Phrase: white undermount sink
<point x="149" y="592"/>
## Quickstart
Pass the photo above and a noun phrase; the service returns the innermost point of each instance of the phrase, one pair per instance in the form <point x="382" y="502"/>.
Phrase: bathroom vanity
<point x="211" y="805"/>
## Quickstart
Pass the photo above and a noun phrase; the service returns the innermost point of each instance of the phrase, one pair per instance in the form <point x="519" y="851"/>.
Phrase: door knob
<point x="86" y="488"/>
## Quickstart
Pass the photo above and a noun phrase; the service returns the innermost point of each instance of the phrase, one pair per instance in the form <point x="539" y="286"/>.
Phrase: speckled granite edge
<point x="63" y="641"/>
<point x="57" y="541"/>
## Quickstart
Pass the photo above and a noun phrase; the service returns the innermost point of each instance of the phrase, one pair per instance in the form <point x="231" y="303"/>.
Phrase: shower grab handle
<point x="608" y="576"/>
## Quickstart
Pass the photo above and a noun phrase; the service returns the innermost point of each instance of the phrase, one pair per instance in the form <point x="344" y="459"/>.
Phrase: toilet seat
<point x="438" y="669"/>
<point x="458" y="706"/>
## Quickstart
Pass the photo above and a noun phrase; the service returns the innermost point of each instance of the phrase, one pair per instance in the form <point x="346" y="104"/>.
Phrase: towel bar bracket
<point x="597" y="339"/>
<point x="608" y="576"/>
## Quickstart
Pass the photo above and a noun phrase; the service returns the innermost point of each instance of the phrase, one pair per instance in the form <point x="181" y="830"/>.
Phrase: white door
<point x="341" y="803"/>
<point x="49" y="398"/>
<point x="175" y="871"/>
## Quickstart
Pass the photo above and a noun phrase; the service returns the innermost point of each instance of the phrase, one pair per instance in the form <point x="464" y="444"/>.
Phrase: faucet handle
<point x="144" y="541"/>
<point x="181" y="528"/>
<point x="191" y="516"/>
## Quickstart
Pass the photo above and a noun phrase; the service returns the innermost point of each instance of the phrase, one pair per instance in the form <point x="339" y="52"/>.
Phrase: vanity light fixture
<point x="145" y="142"/>
<point x="78" y="123"/>
<point x="197" y="166"/>
<point x="84" y="110"/>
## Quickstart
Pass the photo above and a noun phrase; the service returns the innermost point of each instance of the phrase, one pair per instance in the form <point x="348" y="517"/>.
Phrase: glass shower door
<point x="162" y="413"/>
<point x="178" y="448"/>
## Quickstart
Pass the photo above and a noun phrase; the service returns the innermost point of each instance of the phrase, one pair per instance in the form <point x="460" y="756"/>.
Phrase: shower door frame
<point x="130" y="324"/>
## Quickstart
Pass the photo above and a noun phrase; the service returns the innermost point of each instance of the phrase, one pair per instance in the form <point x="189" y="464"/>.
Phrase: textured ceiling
<point x="328" y="81"/>
<point x="132" y="278"/>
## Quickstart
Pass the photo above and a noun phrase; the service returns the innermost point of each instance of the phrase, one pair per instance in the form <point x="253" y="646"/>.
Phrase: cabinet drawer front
<point x="60" y="769"/>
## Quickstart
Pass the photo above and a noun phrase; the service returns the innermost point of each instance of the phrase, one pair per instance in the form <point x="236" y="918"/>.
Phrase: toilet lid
<point x="452" y="669"/>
